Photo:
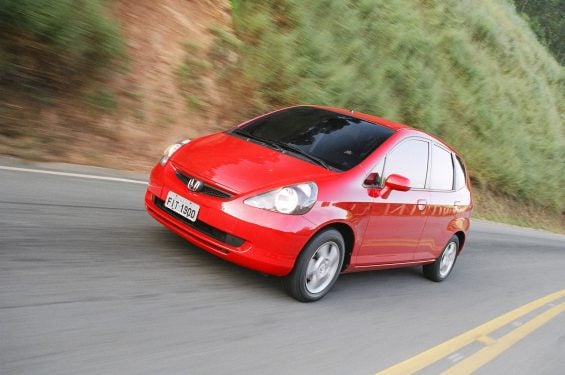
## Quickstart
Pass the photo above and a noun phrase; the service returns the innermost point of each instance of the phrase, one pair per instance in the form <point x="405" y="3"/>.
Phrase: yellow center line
<point x="487" y="340"/>
<point x="440" y="351"/>
<point x="487" y="354"/>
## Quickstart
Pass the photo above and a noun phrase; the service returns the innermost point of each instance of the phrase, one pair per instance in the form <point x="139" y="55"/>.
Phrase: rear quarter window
<point x="460" y="175"/>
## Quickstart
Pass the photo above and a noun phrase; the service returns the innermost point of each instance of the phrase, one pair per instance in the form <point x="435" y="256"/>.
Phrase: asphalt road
<point x="89" y="283"/>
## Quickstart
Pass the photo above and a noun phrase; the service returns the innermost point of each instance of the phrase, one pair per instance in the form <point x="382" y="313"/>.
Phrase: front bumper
<point x="264" y="241"/>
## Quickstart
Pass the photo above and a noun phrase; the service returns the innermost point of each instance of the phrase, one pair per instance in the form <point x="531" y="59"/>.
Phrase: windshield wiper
<point x="299" y="151"/>
<point x="281" y="146"/>
<point x="265" y="142"/>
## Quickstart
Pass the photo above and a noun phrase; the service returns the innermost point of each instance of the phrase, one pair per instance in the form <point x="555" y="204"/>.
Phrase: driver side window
<point x="409" y="159"/>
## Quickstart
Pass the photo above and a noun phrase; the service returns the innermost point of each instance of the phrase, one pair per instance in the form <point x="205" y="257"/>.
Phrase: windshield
<point x="339" y="141"/>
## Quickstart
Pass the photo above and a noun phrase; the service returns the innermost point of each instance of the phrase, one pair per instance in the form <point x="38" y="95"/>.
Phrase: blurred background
<point x="113" y="82"/>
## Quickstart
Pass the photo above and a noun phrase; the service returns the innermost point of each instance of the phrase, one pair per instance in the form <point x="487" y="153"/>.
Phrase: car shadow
<point x="177" y="252"/>
<point x="186" y="255"/>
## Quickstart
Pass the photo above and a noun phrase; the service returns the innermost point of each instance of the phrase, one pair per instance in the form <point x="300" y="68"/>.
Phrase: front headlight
<point x="293" y="200"/>
<point x="169" y="151"/>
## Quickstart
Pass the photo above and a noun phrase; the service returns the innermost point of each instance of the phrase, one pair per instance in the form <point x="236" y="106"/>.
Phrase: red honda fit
<point x="309" y="192"/>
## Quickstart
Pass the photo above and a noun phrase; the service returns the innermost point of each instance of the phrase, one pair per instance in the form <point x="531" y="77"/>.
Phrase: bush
<point x="49" y="44"/>
<point x="547" y="21"/>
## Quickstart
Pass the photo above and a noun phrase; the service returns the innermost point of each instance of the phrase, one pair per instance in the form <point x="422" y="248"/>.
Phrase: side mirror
<point x="395" y="182"/>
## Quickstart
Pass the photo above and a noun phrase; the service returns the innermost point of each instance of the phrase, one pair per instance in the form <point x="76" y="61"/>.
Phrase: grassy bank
<point x="472" y="73"/>
<point x="503" y="209"/>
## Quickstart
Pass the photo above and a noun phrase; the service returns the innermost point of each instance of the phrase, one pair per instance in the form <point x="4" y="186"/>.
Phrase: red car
<point x="309" y="192"/>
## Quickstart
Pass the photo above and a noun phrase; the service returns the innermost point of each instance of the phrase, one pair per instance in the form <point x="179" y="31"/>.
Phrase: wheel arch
<point x="461" y="237"/>
<point x="348" y="238"/>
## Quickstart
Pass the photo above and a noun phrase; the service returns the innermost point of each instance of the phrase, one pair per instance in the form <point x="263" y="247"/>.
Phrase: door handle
<point x="456" y="203"/>
<point x="422" y="203"/>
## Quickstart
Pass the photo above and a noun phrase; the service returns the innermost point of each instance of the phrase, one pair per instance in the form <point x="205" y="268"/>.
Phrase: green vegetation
<point x="49" y="44"/>
<point x="224" y="53"/>
<point x="103" y="100"/>
<point x="472" y="73"/>
<point x="500" y="208"/>
<point x="191" y="75"/>
<point x="547" y="20"/>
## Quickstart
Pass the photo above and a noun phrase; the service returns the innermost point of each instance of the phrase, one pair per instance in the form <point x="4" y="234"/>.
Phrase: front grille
<point x="207" y="189"/>
<point x="201" y="226"/>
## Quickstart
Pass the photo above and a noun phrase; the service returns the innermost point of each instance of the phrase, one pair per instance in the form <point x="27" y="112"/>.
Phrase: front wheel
<point x="441" y="268"/>
<point x="317" y="267"/>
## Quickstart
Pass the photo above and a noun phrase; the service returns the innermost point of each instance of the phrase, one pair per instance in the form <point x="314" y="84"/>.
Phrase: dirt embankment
<point x="142" y="108"/>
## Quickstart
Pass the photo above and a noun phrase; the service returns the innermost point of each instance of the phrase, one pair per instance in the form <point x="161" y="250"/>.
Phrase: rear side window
<point x="442" y="169"/>
<point x="459" y="173"/>
<point x="409" y="159"/>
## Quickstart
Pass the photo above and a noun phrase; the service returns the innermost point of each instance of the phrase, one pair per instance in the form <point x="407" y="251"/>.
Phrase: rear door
<point x="443" y="202"/>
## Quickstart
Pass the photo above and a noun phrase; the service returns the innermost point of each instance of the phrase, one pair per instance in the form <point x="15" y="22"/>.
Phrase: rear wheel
<point x="317" y="267"/>
<point x="442" y="267"/>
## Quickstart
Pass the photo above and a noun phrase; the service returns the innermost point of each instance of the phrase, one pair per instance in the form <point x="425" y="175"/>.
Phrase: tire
<point x="442" y="267"/>
<point x="317" y="267"/>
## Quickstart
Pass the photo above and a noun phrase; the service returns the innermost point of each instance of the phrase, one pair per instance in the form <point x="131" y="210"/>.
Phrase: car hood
<point x="241" y="166"/>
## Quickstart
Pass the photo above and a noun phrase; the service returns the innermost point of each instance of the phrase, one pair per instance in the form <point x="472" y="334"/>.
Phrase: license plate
<point x="182" y="206"/>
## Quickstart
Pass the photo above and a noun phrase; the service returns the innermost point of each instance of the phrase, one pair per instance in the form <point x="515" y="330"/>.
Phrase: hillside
<point x="472" y="73"/>
<point x="123" y="117"/>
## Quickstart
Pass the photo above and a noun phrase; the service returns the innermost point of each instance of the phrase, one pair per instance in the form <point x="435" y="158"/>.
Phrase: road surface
<point x="89" y="283"/>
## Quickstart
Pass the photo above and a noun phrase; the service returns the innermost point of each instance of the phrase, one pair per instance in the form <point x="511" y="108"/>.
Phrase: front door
<point x="397" y="221"/>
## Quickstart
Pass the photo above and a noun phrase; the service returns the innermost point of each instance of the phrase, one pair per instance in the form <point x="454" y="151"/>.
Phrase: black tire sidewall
<point x="296" y="282"/>
<point x="432" y="270"/>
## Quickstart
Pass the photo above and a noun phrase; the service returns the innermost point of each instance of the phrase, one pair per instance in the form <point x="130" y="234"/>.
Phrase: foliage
<point x="547" y="20"/>
<point x="103" y="100"/>
<point x="224" y="53"/>
<point x="50" y="44"/>
<point x="191" y="75"/>
<point x="469" y="72"/>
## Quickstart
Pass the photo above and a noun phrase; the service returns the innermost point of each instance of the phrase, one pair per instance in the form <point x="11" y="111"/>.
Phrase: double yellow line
<point x="492" y="347"/>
